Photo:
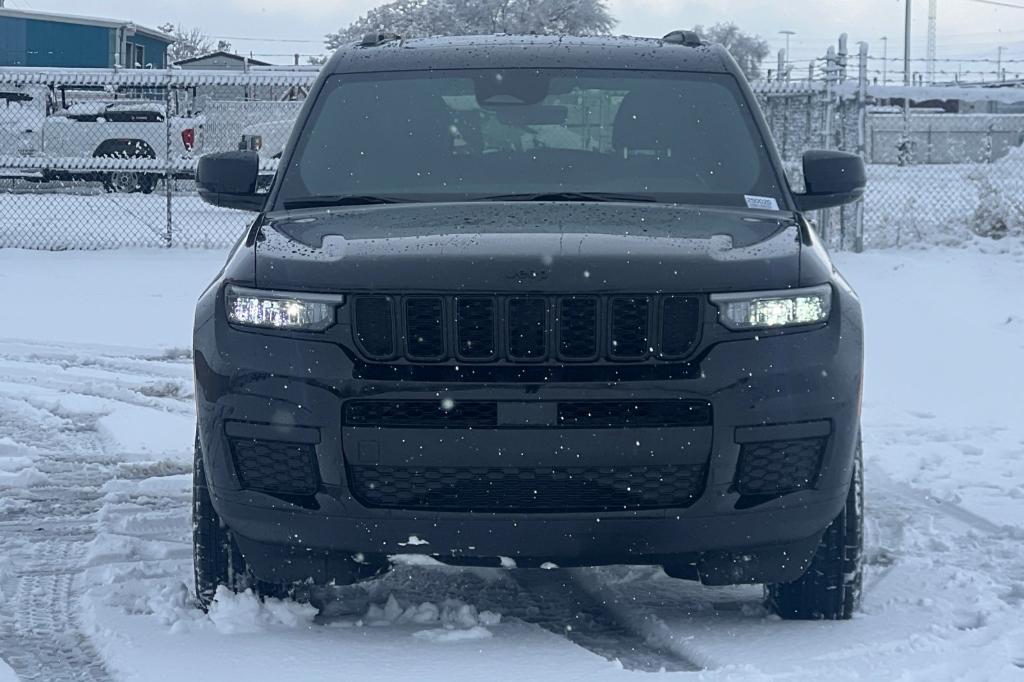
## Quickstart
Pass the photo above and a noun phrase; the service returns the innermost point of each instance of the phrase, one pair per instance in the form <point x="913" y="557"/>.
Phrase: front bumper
<point x="277" y="387"/>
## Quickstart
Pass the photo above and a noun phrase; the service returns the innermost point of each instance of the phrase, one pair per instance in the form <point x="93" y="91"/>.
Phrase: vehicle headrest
<point x="647" y="122"/>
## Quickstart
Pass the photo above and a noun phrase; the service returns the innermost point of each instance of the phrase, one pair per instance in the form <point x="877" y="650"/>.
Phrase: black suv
<point x="544" y="299"/>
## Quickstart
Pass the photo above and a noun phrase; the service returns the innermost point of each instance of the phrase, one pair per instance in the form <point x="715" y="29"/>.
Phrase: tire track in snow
<point x="553" y="600"/>
<point x="560" y="604"/>
<point x="40" y="636"/>
<point x="47" y="538"/>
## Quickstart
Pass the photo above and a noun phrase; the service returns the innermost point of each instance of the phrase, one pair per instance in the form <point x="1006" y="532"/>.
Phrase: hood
<point x="519" y="246"/>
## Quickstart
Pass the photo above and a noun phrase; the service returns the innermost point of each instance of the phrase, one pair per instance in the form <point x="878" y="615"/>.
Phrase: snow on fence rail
<point x="143" y="78"/>
<point x="69" y="179"/>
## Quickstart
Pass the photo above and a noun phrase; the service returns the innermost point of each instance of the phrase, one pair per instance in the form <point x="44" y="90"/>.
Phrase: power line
<point x="999" y="4"/>
<point x="270" y="40"/>
<point x="967" y="60"/>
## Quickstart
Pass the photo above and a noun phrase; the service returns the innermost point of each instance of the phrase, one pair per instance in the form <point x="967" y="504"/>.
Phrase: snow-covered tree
<point x="414" y="18"/>
<point x="190" y="42"/>
<point x="748" y="49"/>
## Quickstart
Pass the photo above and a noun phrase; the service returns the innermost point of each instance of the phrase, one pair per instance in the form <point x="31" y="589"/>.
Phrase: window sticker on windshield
<point x="767" y="203"/>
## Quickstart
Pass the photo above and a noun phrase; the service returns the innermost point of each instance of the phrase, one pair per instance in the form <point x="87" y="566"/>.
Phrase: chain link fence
<point x="96" y="159"/>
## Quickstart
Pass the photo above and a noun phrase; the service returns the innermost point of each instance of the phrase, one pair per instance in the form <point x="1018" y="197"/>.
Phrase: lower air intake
<point x="539" y="489"/>
<point x="779" y="467"/>
<point x="274" y="467"/>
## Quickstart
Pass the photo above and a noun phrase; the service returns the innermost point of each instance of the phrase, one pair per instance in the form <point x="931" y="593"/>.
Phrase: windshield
<point x="473" y="134"/>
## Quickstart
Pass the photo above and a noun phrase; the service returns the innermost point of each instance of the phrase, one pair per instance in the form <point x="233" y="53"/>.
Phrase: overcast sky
<point x="266" y="28"/>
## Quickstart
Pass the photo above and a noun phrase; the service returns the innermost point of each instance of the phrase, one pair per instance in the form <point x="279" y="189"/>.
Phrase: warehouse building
<point x="43" y="39"/>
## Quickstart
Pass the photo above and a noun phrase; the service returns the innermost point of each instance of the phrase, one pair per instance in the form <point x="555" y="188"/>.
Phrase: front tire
<point x="216" y="559"/>
<point x="218" y="562"/>
<point x="830" y="589"/>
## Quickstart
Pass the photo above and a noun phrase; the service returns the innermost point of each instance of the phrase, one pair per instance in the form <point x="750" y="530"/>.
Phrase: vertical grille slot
<point x="527" y="328"/>
<point x="375" y="326"/>
<point x="424" y="326"/>
<point x="577" y="328"/>
<point x="680" y="325"/>
<point x="475" y="327"/>
<point x="629" y="327"/>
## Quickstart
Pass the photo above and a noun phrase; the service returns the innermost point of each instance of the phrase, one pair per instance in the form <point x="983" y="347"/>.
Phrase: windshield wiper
<point x="570" y="196"/>
<point x="325" y="201"/>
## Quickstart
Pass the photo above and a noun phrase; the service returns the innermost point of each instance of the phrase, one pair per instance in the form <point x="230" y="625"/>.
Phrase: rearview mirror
<point x="831" y="179"/>
<point x="228" y="180"/>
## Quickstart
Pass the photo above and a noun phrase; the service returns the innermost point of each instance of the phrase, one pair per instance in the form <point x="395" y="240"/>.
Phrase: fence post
<point x="825" y="215"/>
<point x="862" y="119"/>
<point x="168" y="165"/>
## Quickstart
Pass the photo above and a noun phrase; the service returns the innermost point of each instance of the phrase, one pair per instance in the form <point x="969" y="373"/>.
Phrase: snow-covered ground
<point x="96" y="424"/>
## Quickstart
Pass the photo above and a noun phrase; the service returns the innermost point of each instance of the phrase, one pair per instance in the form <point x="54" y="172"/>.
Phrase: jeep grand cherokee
<point x="541" y="298"/>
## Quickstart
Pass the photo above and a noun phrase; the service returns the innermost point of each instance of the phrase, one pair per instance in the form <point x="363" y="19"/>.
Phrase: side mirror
<point x="228" y="179"/>
<point x="831" y="179"/>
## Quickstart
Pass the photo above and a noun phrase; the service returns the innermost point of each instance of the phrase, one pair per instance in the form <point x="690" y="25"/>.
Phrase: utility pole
<point x="787" y="33"/>
<point x="905" y="144"/>
<point x="885" y="60"/>
<point x="999" y="64"/>
<point x="933" y="11"/>
<point x="906" y="45"/>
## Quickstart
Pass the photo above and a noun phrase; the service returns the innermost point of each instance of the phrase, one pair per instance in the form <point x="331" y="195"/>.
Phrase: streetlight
<point x="787" y="33"/>
<point x="885" y="59"/>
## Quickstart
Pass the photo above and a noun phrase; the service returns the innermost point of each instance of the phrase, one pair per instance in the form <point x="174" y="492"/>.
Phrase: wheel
<point x="147" y="184"/>
<point x="830" y="589"/>
<point x="122" y="182"/>
<point x="218" y="562"/>
<point x="216" y="558"/>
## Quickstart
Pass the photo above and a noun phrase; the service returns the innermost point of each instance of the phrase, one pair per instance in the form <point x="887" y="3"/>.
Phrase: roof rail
<point x="682" y="37"/>
<point x="378" y="38"/>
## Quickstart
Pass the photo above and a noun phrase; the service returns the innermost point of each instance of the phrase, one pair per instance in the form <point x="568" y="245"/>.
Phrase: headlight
<point x="281" y="310"/>
<point x="774" y="309"/>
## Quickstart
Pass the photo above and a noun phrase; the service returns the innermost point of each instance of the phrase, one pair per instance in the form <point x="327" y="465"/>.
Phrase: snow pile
<point x="173" y="606"/>
<point x="6" y="575"/>
<point x="455" y="619"/>
<point x="245" y="613"/>
<point x="16" y="469"/>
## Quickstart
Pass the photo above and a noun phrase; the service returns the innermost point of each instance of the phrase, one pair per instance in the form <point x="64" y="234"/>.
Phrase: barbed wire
<point x="968" y="60"/>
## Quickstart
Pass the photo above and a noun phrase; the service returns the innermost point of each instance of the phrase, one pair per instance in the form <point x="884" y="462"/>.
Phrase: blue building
<point x="29" y="38"/>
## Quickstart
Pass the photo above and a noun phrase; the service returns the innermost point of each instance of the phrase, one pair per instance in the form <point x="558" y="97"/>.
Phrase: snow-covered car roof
<point x="98" y="107"/>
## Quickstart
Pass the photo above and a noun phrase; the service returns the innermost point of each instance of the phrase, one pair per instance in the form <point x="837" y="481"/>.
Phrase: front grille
<point x="474" y="319"/>
<point x="577" y="328"/>
<point x="275" y="467"/>
<point x="421" y="414"/>
<point x="639" y="413"/>
<point x="466" y="414"/>
<point x="375" y="325"/>
<point x="538" y="489"/>
<point x="424" y="328"/>
<point x="680" y="315"/>
<point x="778" y="467"/>
<point x="630" y="320"/>
<point x="527" y="328"/>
